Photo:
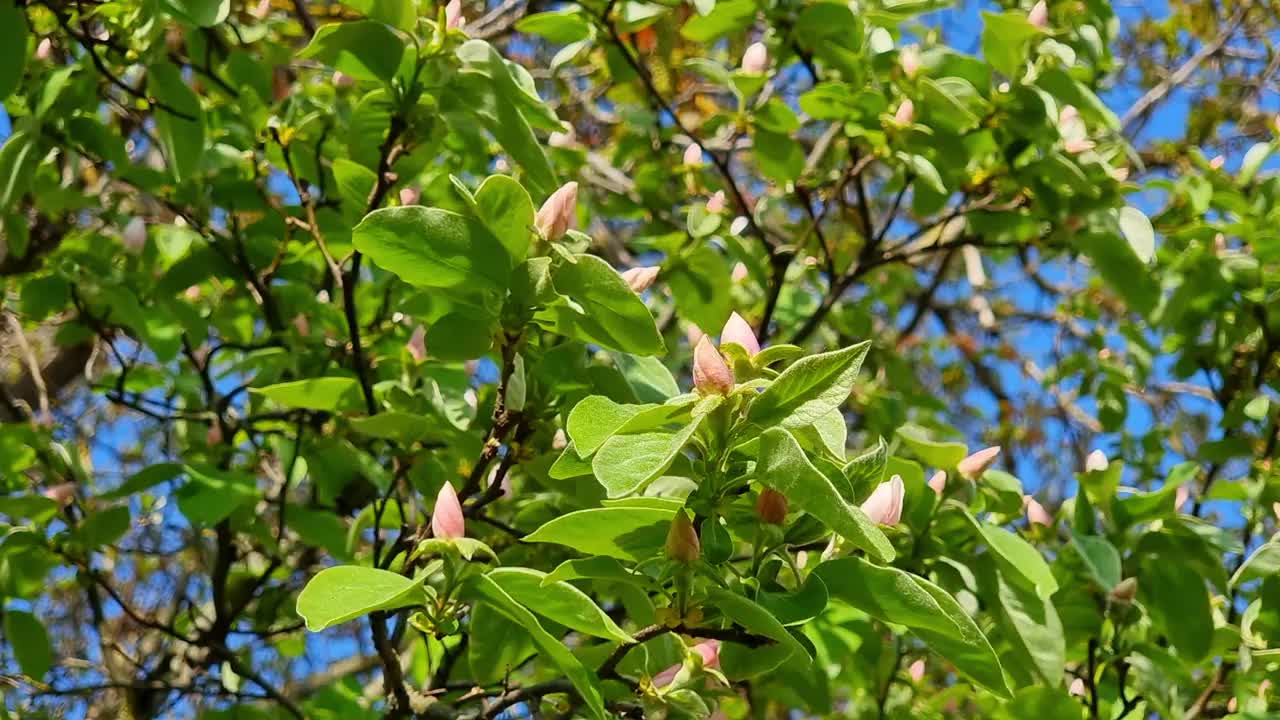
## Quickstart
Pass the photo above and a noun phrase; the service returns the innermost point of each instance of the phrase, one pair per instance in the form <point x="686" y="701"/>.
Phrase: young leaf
<point x="808" y="389"/>
<point x="341" y="593"/>
<point x="433" y="248"/>
<point x="782" y="465"/>
<point x="626" y="463"/>
<point x="13" y="47"/>
<point x="894" y="596"/>
<point x="182" y="138"/>
<point x="604" y="310"/>
<point x="624" y="533"/>
<point x="1021" y="559"/>
<point x="754" y="618"/>
<point x="29" y="642"/>
<point x="363" y="49"/>
<point x="559" y="602"/>
<point x="323" y="393"/>
<point x="506" y="209"/>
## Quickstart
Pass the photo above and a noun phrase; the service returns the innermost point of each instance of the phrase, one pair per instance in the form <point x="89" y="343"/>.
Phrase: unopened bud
<point x="135" y="236"/>
<point x="1125" y="591"/>
<point x="737" y="331"/>
<point x="1039" y="15"/>
<point x="756" y="59"/>
<point x="62" y="493"/>
<point x="693" y="155"/>
<point x="771" y="507"/>
<point x="44" y="49"/>
<point x="938" y="483"/>
<point x="417" y="345"/>
<point x="1077" y="687"/>
<point x="1096" y="462"/>
<point x="909" y="58"/>
<point x="447" y="522"/>
<point x="409" y="195"/>
<point x="1181" y="496"/>
<point x="561" y="139"/>
<point x="973" y="466"/>
<point x="342" y="80"/>
<point x="906" y="112"/>
<point x="715" y="205"/>
<point x="1217" y="162"/>
<point x="557" y="214"/>
<point x="453" y="18"/>
<point x="884" y="507"/>
<point x="1036" y="514"/>
<point x="710" y="373"/>
<point x="302" y="324"/>
<point x="916" y="671"/>
<point x="640" y="279"/>
<point x="683" y="545"/>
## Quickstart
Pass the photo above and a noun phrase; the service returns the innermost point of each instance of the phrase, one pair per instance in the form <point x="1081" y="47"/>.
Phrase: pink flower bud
<point x="916" y="671"/>
<point x="909" y="59"/>
<point x="62" y="493"/>
<point x="302" y="325"/>
<point x="740" y="272"/>
<point x="1125" y="590"/>
<point x="693" y="155"/>
<point x="771" y="507"/>
<point x="342" y="80"/>
<point x="1181" y="496"/>
<point x="262" y="9"/>
<point x="906" y="112"/>
<point x="938" y="483"/>
<point x="135" y="236"/>
<point x="410" y="195"/>
<point x="417" y="345"/>
<point x="1217" y="162"/>
<point x="1096" y="462"/>
<point x="885" y="504"/>
<point x="710" y="373"/>
<point x="192" y="293"/>
<point x="213" y="436"/>
<point x="683" y="545"/>
<point x="693" y="334"/>
<point x="1078" y="145"/>
<point x="1039" y="15"/>
<point x="973" y="466"/>
<point x="708" y="650"/>
<point x="561" y="139"/>
<point x="447" y="522"/>
<point x="640" y="279"/>
<point x="559" y="441"/>
<point x="44" y="49"/>
<point x="557" y="214"/>
<point x="1077" y="685"/>
<point x="756" y="59"/>
<point x="1233" y="705"/>
<point x="453" y="18"/>
<point x="737" y="331"/>
<point x="1036" y="514"/>
<point x="716" y="203"/>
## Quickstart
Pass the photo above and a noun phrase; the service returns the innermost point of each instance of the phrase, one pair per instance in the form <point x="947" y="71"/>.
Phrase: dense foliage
<point x="738" y="358"/>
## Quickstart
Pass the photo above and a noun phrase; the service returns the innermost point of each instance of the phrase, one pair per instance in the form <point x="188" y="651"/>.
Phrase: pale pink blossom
<point x="192" y="293"/>
<point x="453" y="18"/>
<point x="1232" y="705"/>
<point x="973" y="466"/>
<point x="213" y="436"/>
<point x="1075" y="146"/>
<point x="736" y="330"/>
<point x="740" y="272"/>
<point x="916" y="671"/>
<point x="710" y="373"/>
<point x="409" y="195"/>
<point x="1181" y="496"/>
<point x="44" y="49"/>
<point x="693" y="334"/>
<point x="135" y="236"/>
<point x="909" y="59"/>
<point x="1096" y="462"/>
<point x="1077" y="687"/>
<point x="561" y="139"/>
<point x="559" y="441"/>
<point x="262" y="9"/>
<point x="1039" y="15"/>
<point x="62" y="493"/>
<point x="938" y="483"/>
<point x="716" y="203"/>
<point x="417" y="345"/>
<point x="885" y="504"/>
<point x="708" y="650"/>
<point x="640" y="279"/>
<point x="906" y="112"/>
<point x="556" y="215"/>
<point x="447" y="522"/>
<point x="1036" y="514"/>
<point x="302" y="324"/>
<point x="1217" y="162"/>
<point x="693" y="155"/>
<point x="342" y="80"/>
<point x="756" y="59"/>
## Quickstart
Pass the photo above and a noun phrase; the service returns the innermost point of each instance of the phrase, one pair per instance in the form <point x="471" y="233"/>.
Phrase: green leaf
<point x="1043" y="703"/>
<point x="506" y="209"/>
<point x="1138" y="231"/>
<point x="561" y="27"/>
<point x="1004" y="40"/>
<point x="1264" y="562"/>
<point x="780" y="157"/>
<point x="799" y="607"/>
<point x="754" y="618"/>
<point x="937" y="453"/>
<point x="626" y="463"/>
<point x="355" y="185"/>
<point x="399" y="426"/>
<point x="29" y="642"/>
<point x="433" y="248"/>
<point x="808" y="389"/>
<point x="210" y="494"/>
<point x="364" y="49"/>
<point x="728" y="17"/>
<point x="700" y="281"/>
<point x="649" y="379"/>
<point x="322" y="393"/>
<point x="555" y="651"/>
<point x="204" y="13"/>
<point x="1257" y="408"/>
<point x="1249" y="166"/>
<point x="1100" y="557"/>
<point x="37" y="508"/>
<point x="1036" y="628"/>
<point x="595" y="419"/>
<point x="181" y="138"/>
<point x="460" y="336"/>
<point x="604" y="310"/>
<point x="1019" y="558"/>
<point x="398" y="13"/>
<point x="496" y="646"/>
<point x="104" y="527"/>
<point x="559" y="602"/>
<point x="13" y="48"/>
<point x="783" y="466"/>
<point x="19" y="158"/>
<point x="594" y="568"/>
<point x="624" y="533"/>
<point x="897" y="597"/>
<point x="338" y="594"/>
<point x="1178" y="601"/>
